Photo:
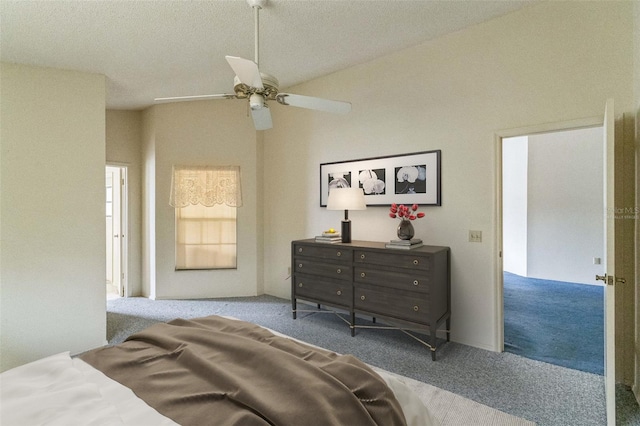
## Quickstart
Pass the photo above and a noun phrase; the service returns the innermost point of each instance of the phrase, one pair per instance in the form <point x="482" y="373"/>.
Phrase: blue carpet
<point x="556" y="322"/>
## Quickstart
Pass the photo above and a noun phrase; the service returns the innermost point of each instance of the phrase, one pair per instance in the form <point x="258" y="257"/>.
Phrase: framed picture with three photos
<point x="402" y="179"/>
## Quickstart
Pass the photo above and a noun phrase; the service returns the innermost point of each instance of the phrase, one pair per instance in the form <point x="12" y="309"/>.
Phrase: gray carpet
<point x="537" y="391"/>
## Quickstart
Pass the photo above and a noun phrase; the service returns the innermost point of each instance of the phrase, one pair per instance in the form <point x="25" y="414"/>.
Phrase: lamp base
<point x="346" y="231"/>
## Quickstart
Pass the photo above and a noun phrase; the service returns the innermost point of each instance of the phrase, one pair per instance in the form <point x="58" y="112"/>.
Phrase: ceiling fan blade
<point x="318" y="104"/>
<point x="195" y="98"/>
<point x="247" y="71"/>
<point x="262" y="118"/>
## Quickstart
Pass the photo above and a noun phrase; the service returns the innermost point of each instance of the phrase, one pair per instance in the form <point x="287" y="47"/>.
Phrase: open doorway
<point x="553" y="246"/>
<point x="116" y="220"/>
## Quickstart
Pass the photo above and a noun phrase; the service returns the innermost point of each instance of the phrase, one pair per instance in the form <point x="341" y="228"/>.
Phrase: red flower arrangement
<point x="404" y="213"/>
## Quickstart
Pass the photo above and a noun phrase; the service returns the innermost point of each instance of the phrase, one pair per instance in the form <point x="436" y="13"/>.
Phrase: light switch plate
<point x="475" y="236"/>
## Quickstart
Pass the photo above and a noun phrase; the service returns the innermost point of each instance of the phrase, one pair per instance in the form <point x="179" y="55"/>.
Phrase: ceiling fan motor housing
<point x="269" y="82"/>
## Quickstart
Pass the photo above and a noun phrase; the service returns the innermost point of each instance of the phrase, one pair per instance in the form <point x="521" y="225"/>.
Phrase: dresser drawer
<point x="399" y="304"/>
<point x="401" y="260"/>
<point x="323" y="251"/>
<point x="328" y="291"/>
<point x="393" y="278"/>
<point x="328" y="270"/>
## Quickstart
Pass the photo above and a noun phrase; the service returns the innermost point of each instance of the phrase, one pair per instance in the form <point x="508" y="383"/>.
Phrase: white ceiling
<point x="150" y="49"/>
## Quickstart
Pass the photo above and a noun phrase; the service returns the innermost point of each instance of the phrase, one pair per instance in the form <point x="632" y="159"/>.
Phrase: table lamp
<point x="346" y="199"/>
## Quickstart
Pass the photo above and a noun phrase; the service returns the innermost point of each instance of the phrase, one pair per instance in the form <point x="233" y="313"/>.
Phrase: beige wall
<point x="52" y="258"/>
<point x="124" y="140"/>
<point x="554" y="62"/>
<point x="148" y="203"/>
<point x="200" y="133"/>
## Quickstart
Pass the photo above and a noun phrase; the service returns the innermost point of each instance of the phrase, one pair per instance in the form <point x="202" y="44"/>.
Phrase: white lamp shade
<point x="346" y="199"/>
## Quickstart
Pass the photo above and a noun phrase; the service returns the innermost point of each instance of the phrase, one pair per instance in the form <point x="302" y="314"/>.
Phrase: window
<point x="206" y="201"/>
<point x="206" y="237"/>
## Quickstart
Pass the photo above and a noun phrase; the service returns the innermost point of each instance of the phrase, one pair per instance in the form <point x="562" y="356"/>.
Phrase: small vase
<point x="405" y="230"/>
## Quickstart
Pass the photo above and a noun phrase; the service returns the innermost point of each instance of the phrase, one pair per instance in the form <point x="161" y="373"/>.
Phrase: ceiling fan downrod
<point x="256" y="5"/>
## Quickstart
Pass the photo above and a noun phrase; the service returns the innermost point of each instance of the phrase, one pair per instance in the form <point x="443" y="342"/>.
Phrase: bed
<point x="213" y="370"/>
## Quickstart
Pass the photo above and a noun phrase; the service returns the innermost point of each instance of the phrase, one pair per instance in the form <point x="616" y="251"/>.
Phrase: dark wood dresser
<point x="407" y="289"/>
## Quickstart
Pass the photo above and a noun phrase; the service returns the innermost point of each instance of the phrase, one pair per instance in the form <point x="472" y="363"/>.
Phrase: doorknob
<point x="609" y="279"/>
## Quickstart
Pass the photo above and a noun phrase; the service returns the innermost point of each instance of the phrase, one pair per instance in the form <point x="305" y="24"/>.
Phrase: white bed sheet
<point x="59" y="390"/>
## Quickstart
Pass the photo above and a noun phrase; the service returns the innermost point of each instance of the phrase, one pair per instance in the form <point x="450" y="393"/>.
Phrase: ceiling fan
<point x="258" y="87"/>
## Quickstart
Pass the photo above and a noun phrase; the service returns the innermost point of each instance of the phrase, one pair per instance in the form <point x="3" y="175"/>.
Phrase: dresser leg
<point x="293" y="307"/>
<point x="433" y="341"/>
<point x="352" y="324"/>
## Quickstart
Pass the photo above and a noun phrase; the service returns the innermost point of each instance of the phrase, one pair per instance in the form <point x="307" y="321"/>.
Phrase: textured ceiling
<point x="150" y="49"/>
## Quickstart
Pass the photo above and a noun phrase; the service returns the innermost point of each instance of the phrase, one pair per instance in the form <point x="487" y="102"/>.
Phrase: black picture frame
<point x="402" y="179"/>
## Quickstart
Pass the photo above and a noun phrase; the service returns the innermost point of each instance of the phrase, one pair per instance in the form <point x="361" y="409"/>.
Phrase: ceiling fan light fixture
<point x="256" y="101"/>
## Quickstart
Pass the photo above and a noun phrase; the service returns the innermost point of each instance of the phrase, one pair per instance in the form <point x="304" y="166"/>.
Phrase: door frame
<point x="124" y="225"/>
<point x="583" y="123"/>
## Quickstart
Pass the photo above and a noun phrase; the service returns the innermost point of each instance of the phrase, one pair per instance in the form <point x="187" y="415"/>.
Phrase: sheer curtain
<point x="206" y="200"/>
<point x="206" y="185"/>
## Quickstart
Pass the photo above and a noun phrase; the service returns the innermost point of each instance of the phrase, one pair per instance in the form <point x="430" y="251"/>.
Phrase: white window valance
<point x="206" y="185"/>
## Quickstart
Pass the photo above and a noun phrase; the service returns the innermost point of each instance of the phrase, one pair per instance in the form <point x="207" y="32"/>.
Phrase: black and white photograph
<point x="339" y="180"/>
<point x="411" y="179"/>
<point x="372" y="181"/>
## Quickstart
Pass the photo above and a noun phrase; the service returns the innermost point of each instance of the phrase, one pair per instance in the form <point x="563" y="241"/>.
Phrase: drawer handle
<point x="299" y="265"/>
<point x="299" y="249"/>
<point x="362" y="297"/>
<point x="415" y="261"/>
<point x="339" y="271"/>
<point x="362" y="256"/>
<point x="415" y="282"/>
<point x="416" y="308"/>
<point x="339" y="254"/>
<point x="339" y="292"/>
<point x="362" y="274"/>
<point x="299" y="284"/>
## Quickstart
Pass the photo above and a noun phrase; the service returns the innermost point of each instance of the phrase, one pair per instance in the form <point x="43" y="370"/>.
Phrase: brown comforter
<point x="217" y="371"/>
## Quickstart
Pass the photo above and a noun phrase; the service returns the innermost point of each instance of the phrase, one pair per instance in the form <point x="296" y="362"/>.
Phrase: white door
<point x="609" y="278"/>
<point x="115" y="181"/>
